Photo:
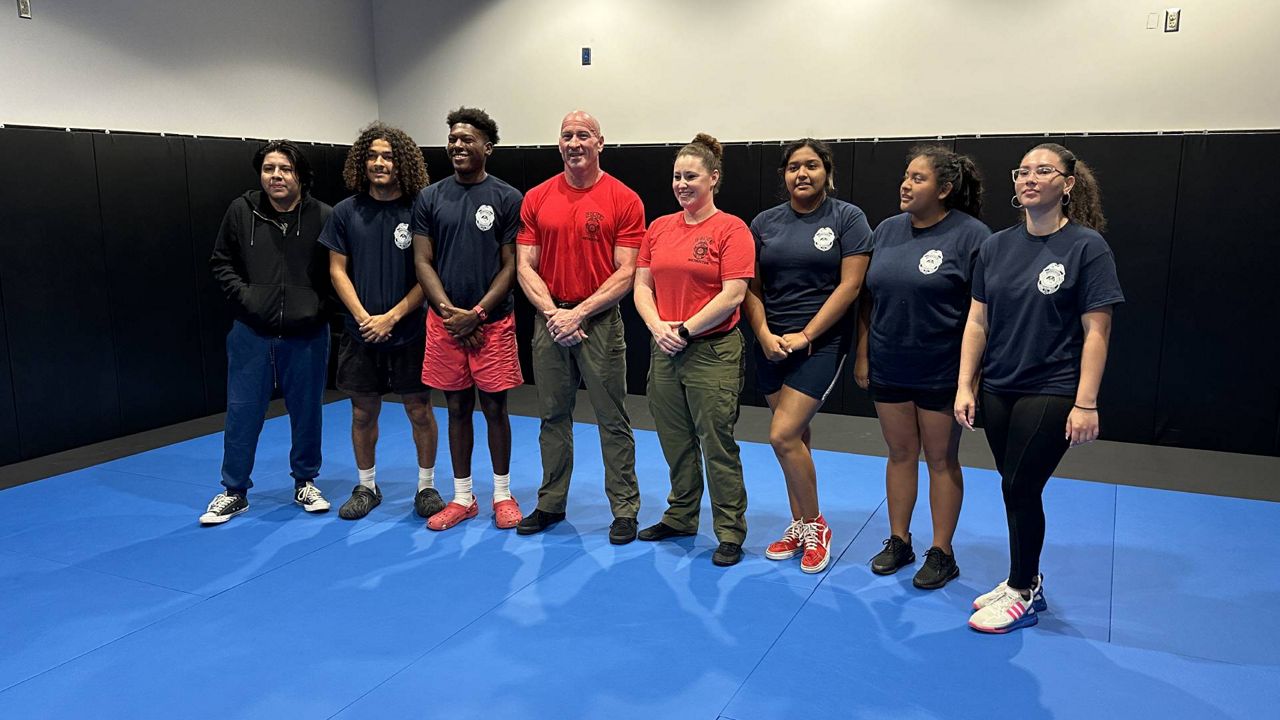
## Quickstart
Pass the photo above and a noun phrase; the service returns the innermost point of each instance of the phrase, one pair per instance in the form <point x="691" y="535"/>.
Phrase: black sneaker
<point x="537" y="521"/>
<point x="939" y="568"/>
<point x="727" y="554"/>
<point x="622" y="531"/>
<point x="308" y="496"/>
<point x="662" y="531"/>
<point x="427" y="502"/>
<point x="897" y="554"/>
<point x="361" y="502"/>
<point x="223" y="507"/>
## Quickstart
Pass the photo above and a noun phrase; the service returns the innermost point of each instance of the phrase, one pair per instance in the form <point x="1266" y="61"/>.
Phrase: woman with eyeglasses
<point x="910" y="323"/>
<point x="691" y="276"/>
<point x="813" y="253"/>
<point x="1039" y="325"/>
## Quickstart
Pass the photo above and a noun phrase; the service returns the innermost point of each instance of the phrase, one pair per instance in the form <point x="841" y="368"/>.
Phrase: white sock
<point x="426" y="478"/>
<point x="366" y="477"/>
<point x="501" y="487"/>
<point x="462" y="491"/>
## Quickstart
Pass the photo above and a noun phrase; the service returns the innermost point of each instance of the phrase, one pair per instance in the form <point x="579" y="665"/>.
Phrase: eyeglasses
<point x="1042" y="172"/>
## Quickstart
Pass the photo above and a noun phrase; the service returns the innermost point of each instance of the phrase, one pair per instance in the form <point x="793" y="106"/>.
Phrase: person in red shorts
<point x="576" y="257"/>
<point x="464" y="233"/>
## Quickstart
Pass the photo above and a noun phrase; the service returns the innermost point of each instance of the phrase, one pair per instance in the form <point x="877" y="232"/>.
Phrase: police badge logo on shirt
<point x="930" y="262"/>
<point x="485" y="217"/>
<point x="1051" y="278"/>
<point x="402" y="237"/>
<point x="824" y="239"/>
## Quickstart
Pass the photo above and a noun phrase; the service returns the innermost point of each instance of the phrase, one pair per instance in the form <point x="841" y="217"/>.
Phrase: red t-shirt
<point x="691" y="262"/>
<point x="577" y="231"/>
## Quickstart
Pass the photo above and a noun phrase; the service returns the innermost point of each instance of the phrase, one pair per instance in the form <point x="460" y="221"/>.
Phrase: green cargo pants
<point x="601" y="361"/>
<point x="694" y="400"/>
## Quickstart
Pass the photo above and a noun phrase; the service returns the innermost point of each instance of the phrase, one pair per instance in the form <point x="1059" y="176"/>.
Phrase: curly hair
<point x="957" y="169"/>
<point x="476" y="118"/>
<point x="710" y="152"/>
<point x="411" y="169"/>
<point x="1084" y="203"/>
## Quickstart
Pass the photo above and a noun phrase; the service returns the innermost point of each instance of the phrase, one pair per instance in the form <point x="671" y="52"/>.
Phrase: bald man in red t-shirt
<point x="575" y="259"/>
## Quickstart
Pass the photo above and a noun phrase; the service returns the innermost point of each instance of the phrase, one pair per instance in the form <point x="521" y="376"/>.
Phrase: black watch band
<point x="683" y="332"/>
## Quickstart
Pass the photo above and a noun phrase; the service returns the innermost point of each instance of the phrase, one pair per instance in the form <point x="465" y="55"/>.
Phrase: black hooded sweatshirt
<point x="270" y="266"/>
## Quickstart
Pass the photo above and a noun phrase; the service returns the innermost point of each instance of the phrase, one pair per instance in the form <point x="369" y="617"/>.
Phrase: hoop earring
<point x="1066" y="199"/>
<point x="1014" y="202"/>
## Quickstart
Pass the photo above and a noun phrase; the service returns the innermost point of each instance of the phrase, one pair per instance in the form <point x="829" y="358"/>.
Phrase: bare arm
<point x="564" y="323"/>
<point x="1082" y="423"/>
<point x="527" y="257"/>
<point x="464" y="321"/>
<point x="343" y="286"/>
<point x="853" y="269"/>
<point x="971" y="349"/>
<point x="753" y="309"/>
<point x="664" y="332"/>
<point x="861" y="356"/>
<point x="717" y="308"/>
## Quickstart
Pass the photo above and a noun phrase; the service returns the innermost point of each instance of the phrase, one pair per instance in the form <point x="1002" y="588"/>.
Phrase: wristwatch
<point x="683" y="332"/>
<point x="480" y="313"/>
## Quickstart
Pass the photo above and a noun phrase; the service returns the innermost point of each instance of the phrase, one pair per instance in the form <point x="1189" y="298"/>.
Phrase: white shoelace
<point x="220" y="503"/>
<point x="309" y="493"/>
<point x="795" y="532"/>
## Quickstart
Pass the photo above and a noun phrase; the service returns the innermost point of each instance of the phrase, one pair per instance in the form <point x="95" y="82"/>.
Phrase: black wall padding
<point x="1139" y="180"/>
<point x="151" y="284"/>
<point x="54" y="277"/>
<point x="1219" y="385"/>
<point x="9" y="443"/>
<point x="218" y="172"/>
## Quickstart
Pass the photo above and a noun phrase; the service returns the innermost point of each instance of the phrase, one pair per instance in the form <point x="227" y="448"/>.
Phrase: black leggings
<point x="1027" y="434"/>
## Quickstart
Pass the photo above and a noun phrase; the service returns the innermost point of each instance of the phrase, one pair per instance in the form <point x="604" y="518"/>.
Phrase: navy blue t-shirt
<point x="1036" y="289"/>
<point x="375" y="237"/>
<point x="919" y="284"/>
<point x="800" y="256"/>
<point x="469" y="224"/>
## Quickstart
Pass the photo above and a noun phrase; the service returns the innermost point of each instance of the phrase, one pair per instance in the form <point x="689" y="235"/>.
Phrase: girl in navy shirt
<point x="811" y="258"/>
<point x="910" y="326"/>
<point x="1043" y="291"/>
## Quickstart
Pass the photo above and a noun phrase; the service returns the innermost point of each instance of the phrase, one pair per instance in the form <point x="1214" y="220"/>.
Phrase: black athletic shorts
<point x="814" y="375"/>
<point x="936" y="399"/>
<point x="371" y="369"/>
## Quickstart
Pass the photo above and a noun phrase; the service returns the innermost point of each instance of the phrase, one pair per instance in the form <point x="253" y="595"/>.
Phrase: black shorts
<point x="935" y="399"/>
<point x="371" y="369"/>
<point x="814" y="375"/>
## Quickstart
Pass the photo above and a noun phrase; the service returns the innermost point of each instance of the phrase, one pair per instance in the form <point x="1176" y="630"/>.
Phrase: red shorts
<point x="492" y="367"/>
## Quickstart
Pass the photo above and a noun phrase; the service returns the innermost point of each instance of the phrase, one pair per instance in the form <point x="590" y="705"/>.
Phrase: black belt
<point x="569" y="305"/>
<point x="713" y="336"/>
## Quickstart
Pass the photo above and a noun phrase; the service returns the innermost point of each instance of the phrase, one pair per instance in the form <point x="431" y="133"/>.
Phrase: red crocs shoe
<point x="451" y="515"/>
<point x="506" y="514"/>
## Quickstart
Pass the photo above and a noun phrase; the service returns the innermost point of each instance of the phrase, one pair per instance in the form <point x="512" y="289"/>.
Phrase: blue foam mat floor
<point x="114" y="603"/>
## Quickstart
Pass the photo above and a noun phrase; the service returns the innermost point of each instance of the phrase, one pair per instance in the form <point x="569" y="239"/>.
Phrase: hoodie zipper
<point x="284" y="234"/>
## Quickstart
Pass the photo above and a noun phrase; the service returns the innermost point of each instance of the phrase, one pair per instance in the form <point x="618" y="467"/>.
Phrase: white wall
<point x="774" y="69"/>
<point x="269" y="68"/>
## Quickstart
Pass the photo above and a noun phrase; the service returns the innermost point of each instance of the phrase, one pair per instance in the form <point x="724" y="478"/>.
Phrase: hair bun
<point x="711" y="143"/>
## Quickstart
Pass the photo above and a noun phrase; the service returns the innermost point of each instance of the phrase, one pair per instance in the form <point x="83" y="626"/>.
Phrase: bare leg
<point x="940" y="435"/>
<point x="902" y="471"/>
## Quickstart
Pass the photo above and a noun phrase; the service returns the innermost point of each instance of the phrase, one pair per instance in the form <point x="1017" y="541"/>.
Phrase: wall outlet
<point x="24" y="9"/>
<point x="1172" y="19"/>
<point x="586" y="56"/>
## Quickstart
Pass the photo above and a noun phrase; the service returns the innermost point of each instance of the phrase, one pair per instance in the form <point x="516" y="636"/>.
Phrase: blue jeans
<point x="256" y="364"/>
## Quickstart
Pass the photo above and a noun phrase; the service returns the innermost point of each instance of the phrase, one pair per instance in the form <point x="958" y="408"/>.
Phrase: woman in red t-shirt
<point x="691" y="276"/>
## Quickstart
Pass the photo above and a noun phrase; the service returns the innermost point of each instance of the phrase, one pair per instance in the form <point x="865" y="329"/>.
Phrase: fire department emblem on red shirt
<point x="593" y="225"/>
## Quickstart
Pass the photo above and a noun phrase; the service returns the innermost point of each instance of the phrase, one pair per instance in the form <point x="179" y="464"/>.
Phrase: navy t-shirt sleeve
<point x="421" y="222"/>
<point x="334" y="234"/>
<point x="855" y="236"/>
<point x="1101" y="284"/>
<point x="510" y="216"/>
<point x="978" y="281"/>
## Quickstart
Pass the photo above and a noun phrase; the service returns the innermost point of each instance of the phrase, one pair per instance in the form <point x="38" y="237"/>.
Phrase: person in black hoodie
<point x="276" y="276"/>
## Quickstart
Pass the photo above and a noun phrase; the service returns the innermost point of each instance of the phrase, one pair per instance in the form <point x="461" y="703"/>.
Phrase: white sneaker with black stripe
<point x="223" y="507"/>
<point x="309" y="497"/>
